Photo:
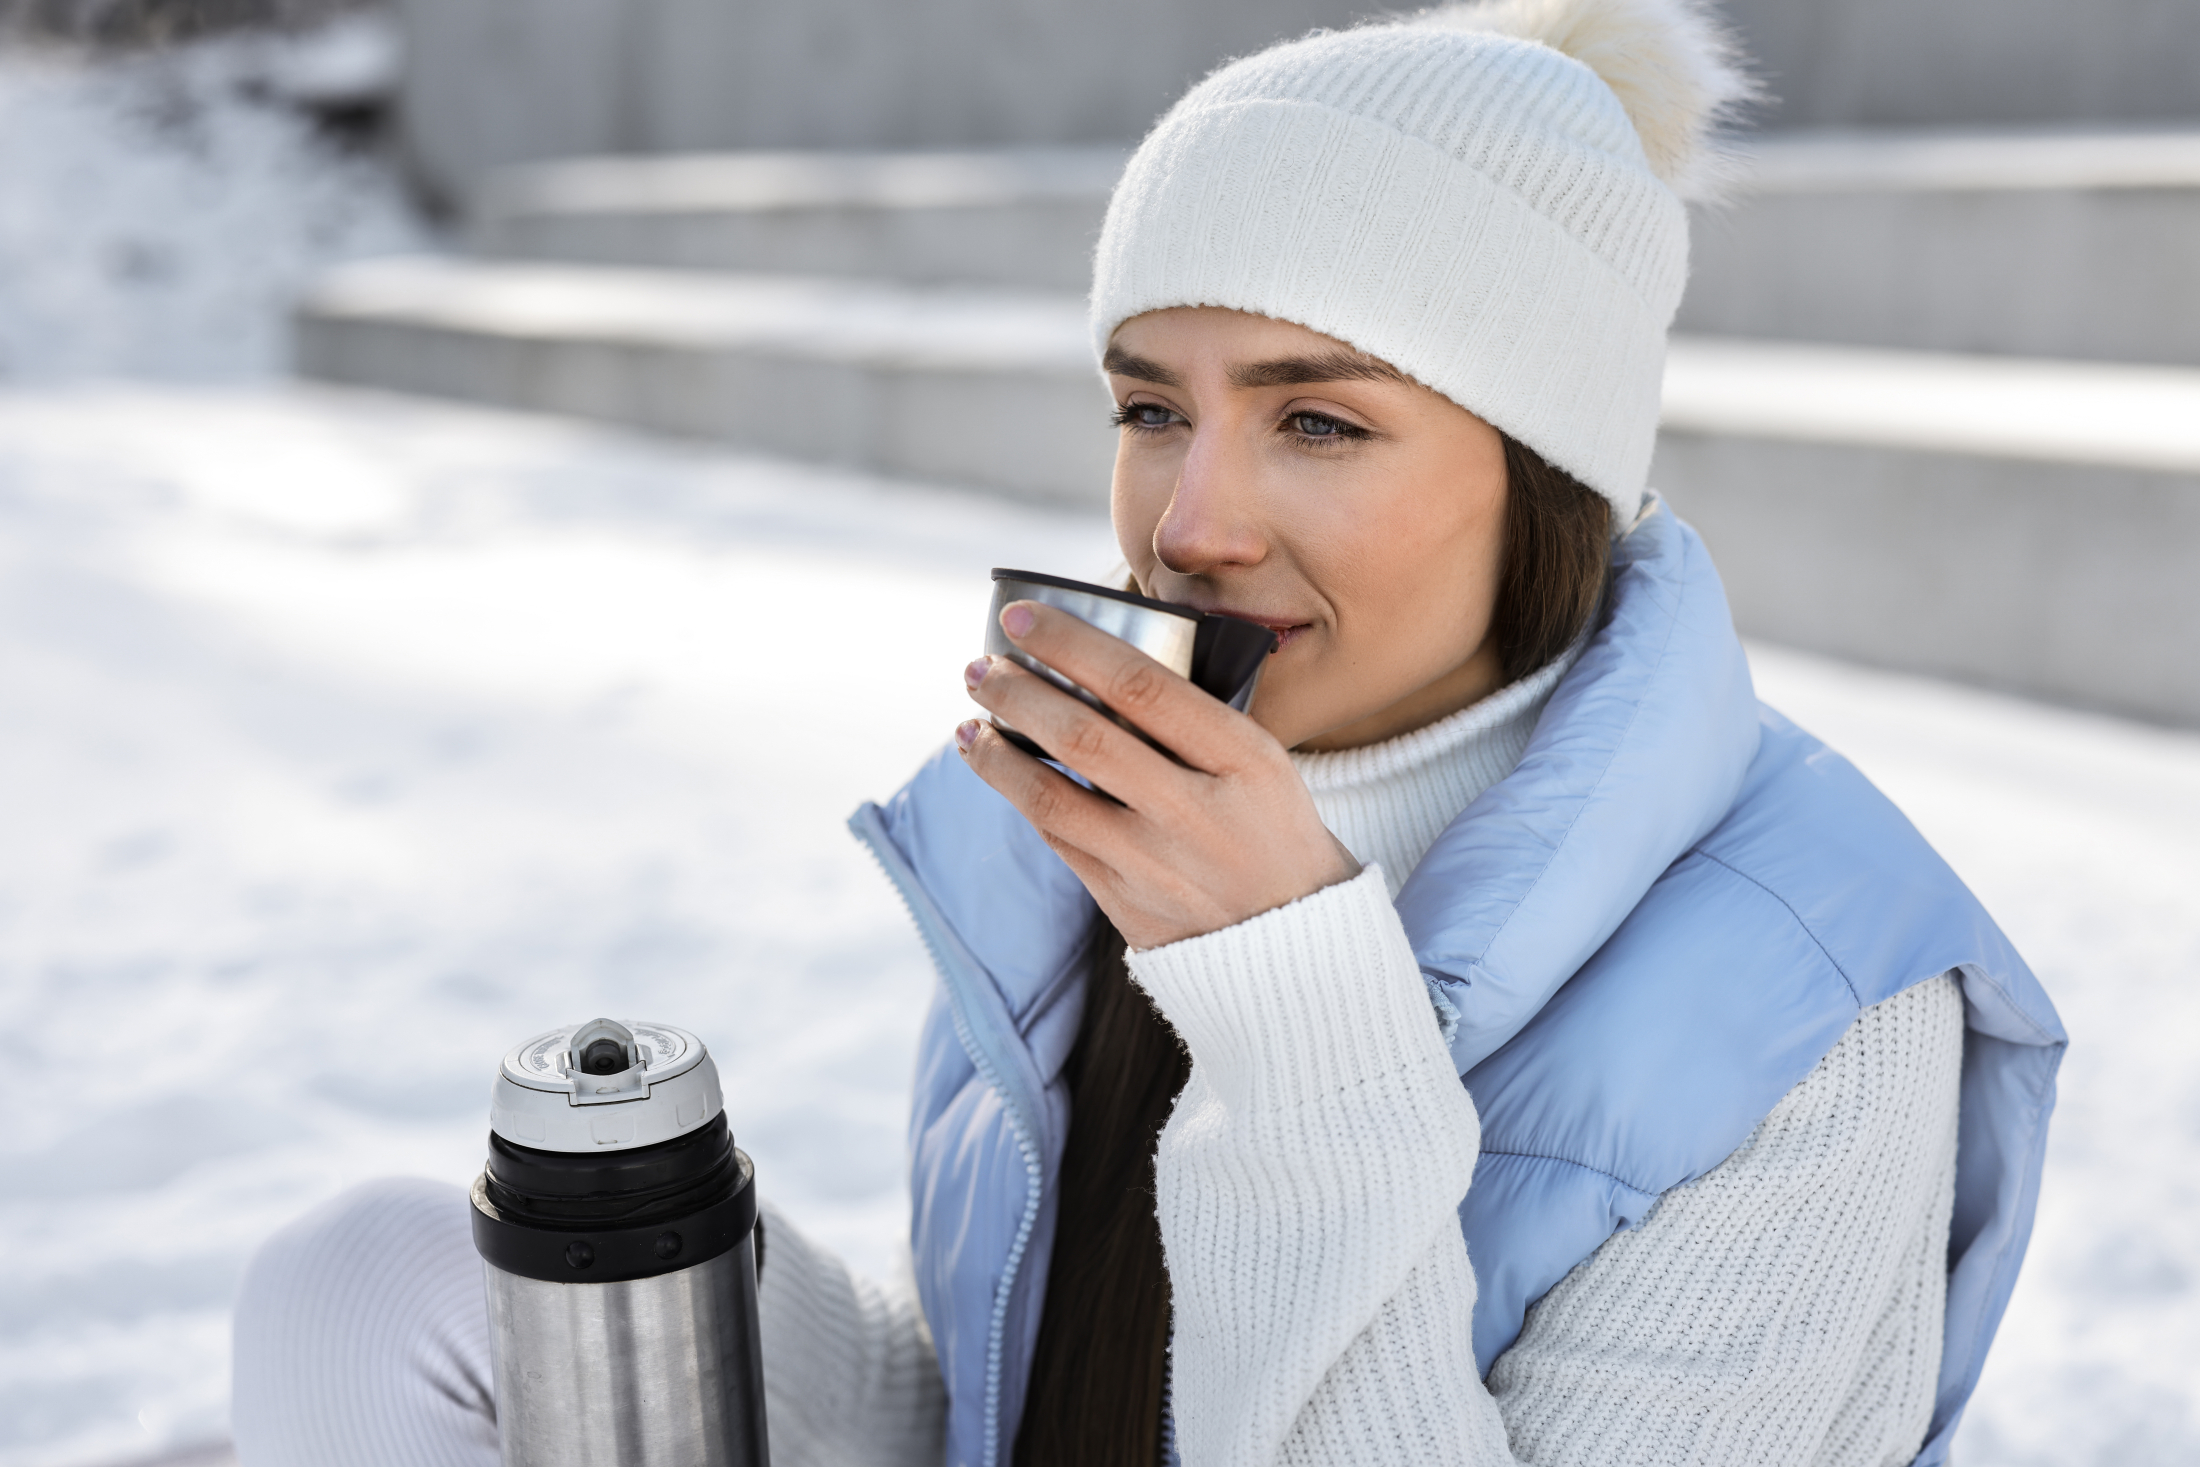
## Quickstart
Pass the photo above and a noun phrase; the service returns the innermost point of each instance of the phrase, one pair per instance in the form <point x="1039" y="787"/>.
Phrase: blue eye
<point x="1145" y="416"/>
<point x="1323" y="427"/>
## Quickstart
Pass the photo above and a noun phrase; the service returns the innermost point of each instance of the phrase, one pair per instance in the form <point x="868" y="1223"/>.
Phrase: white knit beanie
<point x="1487" y="197"/>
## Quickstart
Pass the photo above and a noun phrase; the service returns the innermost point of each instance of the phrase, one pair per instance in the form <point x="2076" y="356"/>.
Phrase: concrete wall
<point x="1929" y="63"/>
<point x="2080" y="244"/>
<point x="491" y="82"/>
<point x="2070" y="582"/>
<point x="2038" y="272"/>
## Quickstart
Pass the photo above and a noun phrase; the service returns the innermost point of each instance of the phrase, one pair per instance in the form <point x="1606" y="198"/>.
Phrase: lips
<point x="1285" y="631"/>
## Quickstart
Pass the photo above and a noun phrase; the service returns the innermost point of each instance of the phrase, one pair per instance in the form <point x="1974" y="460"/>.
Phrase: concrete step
<point x="2029" y="525"/>
<point x="2064" y="244"/>
<point x="493" y="82"/>
<point x="985" y="387"/>
<point x="1021" y="217"/>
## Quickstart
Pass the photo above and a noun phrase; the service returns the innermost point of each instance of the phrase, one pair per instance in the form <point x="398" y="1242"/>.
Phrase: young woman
<point x="1509" y="1043"/>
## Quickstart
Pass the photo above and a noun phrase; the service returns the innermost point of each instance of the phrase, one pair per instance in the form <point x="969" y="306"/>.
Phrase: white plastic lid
<point x="560" y="1092"/>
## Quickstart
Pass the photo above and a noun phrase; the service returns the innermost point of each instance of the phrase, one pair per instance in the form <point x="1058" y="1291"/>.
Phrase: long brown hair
<point x="1099" y="1376"/>
<point x="1558" y="553"/>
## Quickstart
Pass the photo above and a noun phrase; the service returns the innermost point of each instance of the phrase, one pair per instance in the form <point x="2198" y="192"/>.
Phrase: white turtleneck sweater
<point x="1389" y="801"/>
<point x="1786" y="1307"/>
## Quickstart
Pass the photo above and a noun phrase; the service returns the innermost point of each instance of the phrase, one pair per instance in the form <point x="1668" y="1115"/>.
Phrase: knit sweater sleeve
<point x="850" y="1377"/>
<point x="1785" y="1307"/>
<point x="1308" y="1185"/>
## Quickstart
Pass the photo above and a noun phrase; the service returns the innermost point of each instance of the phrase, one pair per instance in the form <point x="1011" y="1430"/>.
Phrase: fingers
<point x="1073" y="733"/>
<point x="1059" y="808"/>
<point x="1107" y="845"/>
<point x="1196" y="728"/>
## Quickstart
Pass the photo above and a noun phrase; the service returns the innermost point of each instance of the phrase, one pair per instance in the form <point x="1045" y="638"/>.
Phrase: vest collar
<point x="1639" y="754"/>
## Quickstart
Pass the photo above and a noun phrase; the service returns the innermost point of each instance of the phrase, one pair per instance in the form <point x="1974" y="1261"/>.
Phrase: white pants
<point x="362" y="1340"/>
<point x="362" y="1337"/>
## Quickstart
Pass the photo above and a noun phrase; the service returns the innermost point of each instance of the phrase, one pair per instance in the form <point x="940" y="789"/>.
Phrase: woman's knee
<point x="380" y="1246"/>
<point x="362" y="1334"/>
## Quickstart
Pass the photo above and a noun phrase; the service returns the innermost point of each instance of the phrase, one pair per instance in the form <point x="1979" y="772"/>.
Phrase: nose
<point x="1211" y="520"/>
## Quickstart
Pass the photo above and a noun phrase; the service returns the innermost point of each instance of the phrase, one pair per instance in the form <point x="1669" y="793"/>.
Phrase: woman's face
<point x="1276" y="474"/>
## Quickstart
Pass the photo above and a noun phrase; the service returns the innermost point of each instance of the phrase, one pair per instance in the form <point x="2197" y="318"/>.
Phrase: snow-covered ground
<point x="159" y="211"/>
<point x="345" y="740"/>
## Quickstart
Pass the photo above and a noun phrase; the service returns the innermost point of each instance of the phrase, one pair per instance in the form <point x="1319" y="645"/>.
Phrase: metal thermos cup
<point x="618" y="1223"/>
<point x="1221" y="655"/>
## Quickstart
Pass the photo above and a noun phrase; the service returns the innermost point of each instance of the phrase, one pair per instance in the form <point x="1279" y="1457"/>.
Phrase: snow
<point x="346" y="740"/>
<point x="345" y="743"/>
<point x="158" y="213"/>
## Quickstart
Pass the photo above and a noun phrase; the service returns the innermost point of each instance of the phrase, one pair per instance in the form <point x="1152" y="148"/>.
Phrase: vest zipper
<point x="957" y="969"/>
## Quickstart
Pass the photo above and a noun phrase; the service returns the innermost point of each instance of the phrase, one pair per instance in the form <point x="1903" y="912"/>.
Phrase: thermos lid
<point x="603" y="1086"/>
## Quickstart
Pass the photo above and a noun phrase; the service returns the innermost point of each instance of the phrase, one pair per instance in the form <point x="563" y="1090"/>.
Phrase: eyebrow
<point x="1120" y="363"/>
<point x="1335" y="366"/>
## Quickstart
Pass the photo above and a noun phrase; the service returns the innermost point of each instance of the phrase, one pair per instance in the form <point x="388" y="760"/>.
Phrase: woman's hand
<point x="1193" y="847"/>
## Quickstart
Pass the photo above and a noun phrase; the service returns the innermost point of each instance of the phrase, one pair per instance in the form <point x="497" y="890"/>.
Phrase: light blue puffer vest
<point x="1649" y="933"/>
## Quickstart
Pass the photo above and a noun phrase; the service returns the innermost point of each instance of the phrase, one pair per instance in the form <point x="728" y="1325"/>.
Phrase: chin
<point x="1290" y="719"/>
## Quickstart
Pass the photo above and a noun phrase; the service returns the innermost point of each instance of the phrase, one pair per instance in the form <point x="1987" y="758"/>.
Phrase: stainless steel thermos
<point x="617" y="1220"/>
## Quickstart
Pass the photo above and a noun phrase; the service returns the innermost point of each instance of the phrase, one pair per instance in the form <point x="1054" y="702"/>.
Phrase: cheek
<point x="1137" y="499"/>
<point x="1464" y="550"/>
<point x="1429" y="550"/>
<point x="1412" y="573"/>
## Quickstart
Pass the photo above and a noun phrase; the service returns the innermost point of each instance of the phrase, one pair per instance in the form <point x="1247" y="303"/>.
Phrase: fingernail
<point x="966" y="734"/>
<point x="1017" y="619"/>
<point x="975" y="673"/>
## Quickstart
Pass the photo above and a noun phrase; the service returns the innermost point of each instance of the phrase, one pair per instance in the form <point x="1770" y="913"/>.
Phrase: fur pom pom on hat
<point x="1675" y="71"/>
<point x="1486" y="196"/>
